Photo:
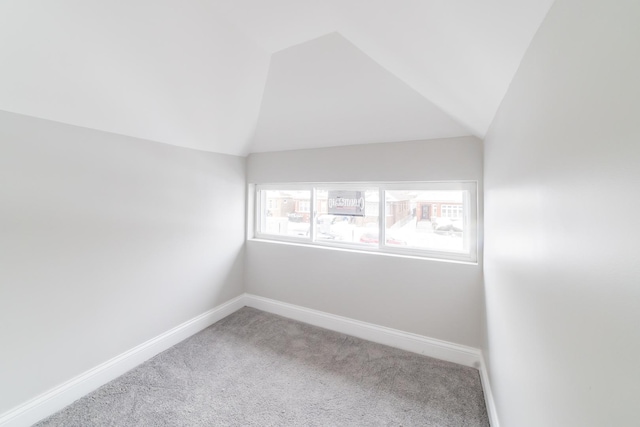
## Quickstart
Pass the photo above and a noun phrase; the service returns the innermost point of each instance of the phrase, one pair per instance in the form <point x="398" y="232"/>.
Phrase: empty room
<point x="319" y="213"/>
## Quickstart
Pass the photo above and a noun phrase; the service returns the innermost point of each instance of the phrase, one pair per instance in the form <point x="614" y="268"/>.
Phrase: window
<point x="426" y="219"/>
<point x="345" y="215"/>
<point x="304" y="206"/>
<point x="437" y="233"/>
<point x="281" y="218"/>
<point x="452" y="211"/>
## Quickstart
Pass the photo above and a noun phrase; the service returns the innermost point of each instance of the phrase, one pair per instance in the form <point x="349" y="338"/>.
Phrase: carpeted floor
<point x="257" y="369"/>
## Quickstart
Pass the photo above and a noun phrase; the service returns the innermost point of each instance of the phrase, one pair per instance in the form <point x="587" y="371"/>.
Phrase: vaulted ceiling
<point x="241" y="76"/>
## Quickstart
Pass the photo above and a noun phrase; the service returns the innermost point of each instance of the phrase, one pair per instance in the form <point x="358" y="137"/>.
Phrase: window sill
<point x="360" y="251"/>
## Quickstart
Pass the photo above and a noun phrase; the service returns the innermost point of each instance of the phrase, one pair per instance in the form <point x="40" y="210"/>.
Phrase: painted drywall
<point x="176" y="73"/>
<point x="330" y="80"/>
<point x="106" y="241"/>
<point x="193" y="73"/>
<point x="432" y="298"/>
<point x="561" y="250"/>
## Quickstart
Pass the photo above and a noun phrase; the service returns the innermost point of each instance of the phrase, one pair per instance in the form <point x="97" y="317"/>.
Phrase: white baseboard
<point x="57" y="398"/>
<point x="443" y="350"/>
<point x="488" y="395"/>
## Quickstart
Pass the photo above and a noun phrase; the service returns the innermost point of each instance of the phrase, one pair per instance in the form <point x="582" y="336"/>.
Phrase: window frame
<point x="469" y="216"/>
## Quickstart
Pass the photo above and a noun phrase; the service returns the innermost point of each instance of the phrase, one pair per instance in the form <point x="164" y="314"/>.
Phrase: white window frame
<point x="469" y="216"/>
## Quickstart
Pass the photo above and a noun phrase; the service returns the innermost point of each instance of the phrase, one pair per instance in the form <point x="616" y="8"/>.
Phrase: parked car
<point x="332" y="219"/>
<point x="447" y="225"/>
<point x="326" y="219"/>
<point x="372" y="238"/>
<point x="296" y="217"/>
<point x="327" y="236"/>
<point x="320" y="235"/>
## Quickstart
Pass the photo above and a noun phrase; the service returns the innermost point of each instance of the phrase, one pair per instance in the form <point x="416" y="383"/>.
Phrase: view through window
<point x="346" y="216"/>
<point x="286" y="212"/>
<point x="426" y="219"/>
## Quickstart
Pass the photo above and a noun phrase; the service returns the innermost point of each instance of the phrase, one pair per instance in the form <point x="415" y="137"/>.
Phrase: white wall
<point x="562" y="271"/>
<point x="106" y="242"/>
<point x="431" y="298"/>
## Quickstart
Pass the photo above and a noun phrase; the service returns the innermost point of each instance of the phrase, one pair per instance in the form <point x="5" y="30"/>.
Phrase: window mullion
<point x="259" y="206"/>
<point x="382" y="218"/>
<point x="312" y="215"/>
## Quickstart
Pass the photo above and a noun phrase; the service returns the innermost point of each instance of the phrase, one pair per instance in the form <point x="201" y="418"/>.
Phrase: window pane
<point x="431" y="220"/>
<point x="434" y="220"/>
<point x="347" y="216"/>
<point x="285" y="213"/>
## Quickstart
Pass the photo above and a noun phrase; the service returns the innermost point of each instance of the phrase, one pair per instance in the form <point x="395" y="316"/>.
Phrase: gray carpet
<point x="257" y="369"/>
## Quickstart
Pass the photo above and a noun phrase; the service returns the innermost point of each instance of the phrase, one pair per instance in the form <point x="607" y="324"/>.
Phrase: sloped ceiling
<point x="240" y="76"/>
<point x="328" y="92"/>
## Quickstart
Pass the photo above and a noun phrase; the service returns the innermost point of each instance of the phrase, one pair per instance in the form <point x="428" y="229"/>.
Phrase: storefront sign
<point x="346" y="203"/>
